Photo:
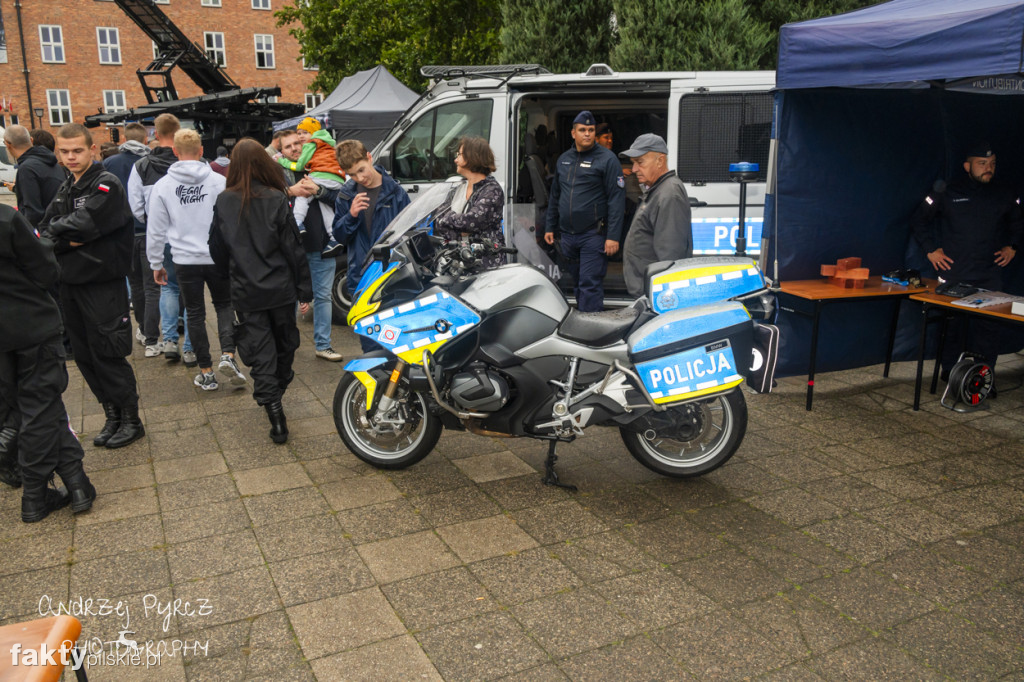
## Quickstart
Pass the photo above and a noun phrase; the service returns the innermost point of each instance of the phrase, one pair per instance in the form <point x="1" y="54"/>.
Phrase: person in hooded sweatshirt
<point x="180" y="214"/>
<point x="145" y="292"/>
<point x="254" y="237"/>
<point x="221" y="163"/>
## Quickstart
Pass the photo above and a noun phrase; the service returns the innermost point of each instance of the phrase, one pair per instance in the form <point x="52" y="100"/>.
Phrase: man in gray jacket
<point x="661" y="227"/>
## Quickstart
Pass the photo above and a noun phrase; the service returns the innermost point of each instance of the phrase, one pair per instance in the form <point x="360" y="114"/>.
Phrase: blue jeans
<point x="170" y="306"/>
<point x="322" y="272"/>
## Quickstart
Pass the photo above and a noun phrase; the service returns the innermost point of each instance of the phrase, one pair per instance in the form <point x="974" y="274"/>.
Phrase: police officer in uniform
<point x="586" y="205"/>
<point x="32" y="371"/>
<point x="970" y="230"/>
<point x="93" y="232"/>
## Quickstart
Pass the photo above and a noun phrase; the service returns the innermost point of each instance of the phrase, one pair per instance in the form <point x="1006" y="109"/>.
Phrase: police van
<point x="709" y="120"/>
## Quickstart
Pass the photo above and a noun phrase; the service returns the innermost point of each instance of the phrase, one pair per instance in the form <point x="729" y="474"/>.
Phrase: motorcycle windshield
<point x="424" y="211"/>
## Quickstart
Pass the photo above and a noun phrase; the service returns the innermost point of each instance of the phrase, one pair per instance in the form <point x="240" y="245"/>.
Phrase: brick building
<point x="82" y="55"/>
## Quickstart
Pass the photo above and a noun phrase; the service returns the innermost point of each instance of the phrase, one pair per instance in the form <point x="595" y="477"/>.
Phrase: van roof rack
<point x="488" y="71"/>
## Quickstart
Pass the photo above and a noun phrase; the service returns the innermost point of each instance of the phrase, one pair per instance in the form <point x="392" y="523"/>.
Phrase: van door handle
<point x="697" y="203"/>
<point x="413" y="189"/>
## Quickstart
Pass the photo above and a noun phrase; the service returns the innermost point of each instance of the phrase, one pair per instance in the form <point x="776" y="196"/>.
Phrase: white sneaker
<point x="206" y="381"/>
<point x="330" y="355"/>
<point x="189" y="358"/>
<point x="229" y="368"/>
<point x="140" y="337"/>
<point x="155" y="350"/>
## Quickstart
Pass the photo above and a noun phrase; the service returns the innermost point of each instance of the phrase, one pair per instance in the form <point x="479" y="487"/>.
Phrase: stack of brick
<point x="846" y="273"/>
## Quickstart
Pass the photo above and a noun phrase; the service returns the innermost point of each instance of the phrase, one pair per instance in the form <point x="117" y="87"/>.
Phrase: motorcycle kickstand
<point x="550" y="475"/>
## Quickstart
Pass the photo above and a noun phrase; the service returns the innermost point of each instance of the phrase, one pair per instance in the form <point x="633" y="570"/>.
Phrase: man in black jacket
<point x="145" y="291"/>
<point x="32" y="371"/>
<point x="38" y="177"/>
<point x="91" y="227"/>
<point x="970" y="230"/>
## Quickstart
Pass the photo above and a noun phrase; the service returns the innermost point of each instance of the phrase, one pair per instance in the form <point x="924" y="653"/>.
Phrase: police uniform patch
<point x="620" y="181"/>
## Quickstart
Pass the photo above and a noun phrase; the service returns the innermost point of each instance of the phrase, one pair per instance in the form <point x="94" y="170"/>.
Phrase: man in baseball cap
<point x="661" y="227"/>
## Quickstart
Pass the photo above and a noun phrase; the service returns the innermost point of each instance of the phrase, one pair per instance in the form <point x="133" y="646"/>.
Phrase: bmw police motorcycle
<point x="500" y="353"/>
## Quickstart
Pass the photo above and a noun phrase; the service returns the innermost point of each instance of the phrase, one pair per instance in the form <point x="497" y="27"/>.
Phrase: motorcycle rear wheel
<point x="711" y="433"/>
<point x="387" y="446"/>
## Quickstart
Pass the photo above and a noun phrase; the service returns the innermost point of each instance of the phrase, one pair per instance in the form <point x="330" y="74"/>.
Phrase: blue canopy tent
<point x="872" y="108"/>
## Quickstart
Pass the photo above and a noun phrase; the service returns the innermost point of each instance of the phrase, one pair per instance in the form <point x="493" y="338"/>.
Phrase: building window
<point x="156" y="50"/>
<point x="309" y="67"/>
<point x="210" y="3"/>
<point x="264" y="51"/>
<point x="313" y="100"/>
<point x="261" y="4"/>
<point x="162" y="2"/>
<point x="60" y="106"/>
<point x="215" y="48"/>
<point x="113" y="101"/>
<point x="52" y="42"/>
<point x="110" y="45"/>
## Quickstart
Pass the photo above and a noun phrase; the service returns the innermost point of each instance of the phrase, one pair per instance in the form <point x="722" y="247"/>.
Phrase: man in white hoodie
<point x="180" y="213"/>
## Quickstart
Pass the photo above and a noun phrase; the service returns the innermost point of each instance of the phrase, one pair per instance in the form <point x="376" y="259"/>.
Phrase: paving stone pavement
<point x="858" y="541"/>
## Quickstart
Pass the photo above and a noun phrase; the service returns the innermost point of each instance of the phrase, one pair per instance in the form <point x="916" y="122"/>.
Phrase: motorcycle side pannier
<point x="695" y="281"/>
<point x="693" y="353"/>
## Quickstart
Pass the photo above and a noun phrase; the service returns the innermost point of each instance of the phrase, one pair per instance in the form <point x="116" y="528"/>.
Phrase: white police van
<point x="709" y="120"/>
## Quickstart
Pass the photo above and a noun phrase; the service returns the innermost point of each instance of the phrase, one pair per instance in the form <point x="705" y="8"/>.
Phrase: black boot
<point x="131" y="428"/>
<point x="39" y="499"/>
<point x="110" y="428"/>
<point x="10" y="472"/>
<point x="83" y="493"/>
<point x="278" y="424"/>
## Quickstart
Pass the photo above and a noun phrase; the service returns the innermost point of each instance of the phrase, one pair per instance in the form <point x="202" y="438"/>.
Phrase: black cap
<point x="222" y="151"/>
<point x="980" y="149"/>
<point x="584" y="118"/>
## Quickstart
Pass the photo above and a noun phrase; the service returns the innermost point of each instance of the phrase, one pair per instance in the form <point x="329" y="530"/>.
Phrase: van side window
<point x="718" y="129"/>
<point x="427" y="149"/>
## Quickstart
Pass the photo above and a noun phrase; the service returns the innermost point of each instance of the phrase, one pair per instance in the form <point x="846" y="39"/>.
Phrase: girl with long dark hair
<point x="255" y="238"/>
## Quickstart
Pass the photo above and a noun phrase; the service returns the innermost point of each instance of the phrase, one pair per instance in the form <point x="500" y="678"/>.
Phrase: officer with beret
<point x="586" y="206"/>
<point x="970" y="230"/>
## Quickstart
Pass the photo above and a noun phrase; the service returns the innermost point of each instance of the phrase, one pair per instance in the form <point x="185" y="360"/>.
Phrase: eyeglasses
<point x="458" y="154"/>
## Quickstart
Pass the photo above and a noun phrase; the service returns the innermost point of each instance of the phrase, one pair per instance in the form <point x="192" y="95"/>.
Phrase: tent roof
<point x="359" y="99"/>
<point x="903" y="41"/>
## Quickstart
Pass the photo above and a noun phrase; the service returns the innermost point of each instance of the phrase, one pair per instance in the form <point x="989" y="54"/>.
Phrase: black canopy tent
<point x="364" y="106"/>
<point x="872" y="107"/>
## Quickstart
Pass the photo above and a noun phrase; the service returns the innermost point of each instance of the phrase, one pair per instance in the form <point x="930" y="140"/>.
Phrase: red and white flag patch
<point x="103" y="188"/>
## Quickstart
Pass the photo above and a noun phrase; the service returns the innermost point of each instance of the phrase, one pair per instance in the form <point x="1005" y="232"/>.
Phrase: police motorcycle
<point x="500" y="353"/>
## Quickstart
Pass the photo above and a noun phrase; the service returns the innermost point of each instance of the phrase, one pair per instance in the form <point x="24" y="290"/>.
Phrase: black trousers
<point x="974" y="334"/>
<point x="145" y="292"/>
<point x="97" y="320"/>
<point x="267" y="341"/>
<point x="36" y="377"/>
<point x="191" y="279"/>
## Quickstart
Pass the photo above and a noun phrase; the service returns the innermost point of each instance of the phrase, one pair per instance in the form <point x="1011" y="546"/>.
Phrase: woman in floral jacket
<point x="477" y="214"/>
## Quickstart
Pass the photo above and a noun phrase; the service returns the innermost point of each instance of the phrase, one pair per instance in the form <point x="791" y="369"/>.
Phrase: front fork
<point x="387" y="401"/>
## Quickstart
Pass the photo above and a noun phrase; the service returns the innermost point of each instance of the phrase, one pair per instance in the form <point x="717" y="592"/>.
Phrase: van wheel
<point x="341" y="300"/>
<point x="689" y="440"/>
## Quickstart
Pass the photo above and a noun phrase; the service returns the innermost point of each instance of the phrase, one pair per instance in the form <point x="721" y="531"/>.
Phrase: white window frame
<point x="261" y="41"/>
<point x="156" y="50"/>
<point x="209" y="3"/>
<point x="111" y="103"/>
<point x="309" y="67"/>
<point x="162" y="2"/>
<point x="112" y="49"/>
<point x="261" y="4"/>
<point x="58" y="104"/>
<point x="214" y="52"/>
<point x="55" y="47"/>
<point x="313" y="100"/>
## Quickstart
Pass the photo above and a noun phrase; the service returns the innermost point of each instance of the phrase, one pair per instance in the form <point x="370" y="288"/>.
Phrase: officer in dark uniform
<point x="970" y="230"/>
<point x="32" y="371"/>
<point x="586" y="206"/>
<point x="93" y="230"/>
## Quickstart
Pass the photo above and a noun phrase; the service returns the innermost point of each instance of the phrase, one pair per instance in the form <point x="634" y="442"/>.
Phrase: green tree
<point x="345" y="36"/>
<point x="563" y="36"/>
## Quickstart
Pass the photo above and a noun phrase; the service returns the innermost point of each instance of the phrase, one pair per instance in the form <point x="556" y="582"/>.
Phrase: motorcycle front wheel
<point x="402" y="438"/>
<point x="689" y="440"/>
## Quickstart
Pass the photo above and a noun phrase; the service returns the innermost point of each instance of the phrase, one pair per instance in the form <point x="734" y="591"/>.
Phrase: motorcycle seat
<point x="598" y="329"/>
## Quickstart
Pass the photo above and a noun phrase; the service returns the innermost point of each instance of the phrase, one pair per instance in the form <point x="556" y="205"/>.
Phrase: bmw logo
<point x="442" y="326"/>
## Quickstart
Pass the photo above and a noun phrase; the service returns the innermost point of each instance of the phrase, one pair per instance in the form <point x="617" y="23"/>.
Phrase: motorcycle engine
<point x="479" y="390"/>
